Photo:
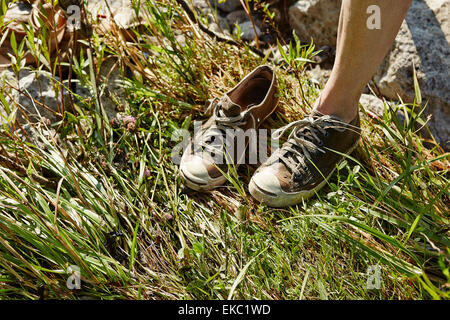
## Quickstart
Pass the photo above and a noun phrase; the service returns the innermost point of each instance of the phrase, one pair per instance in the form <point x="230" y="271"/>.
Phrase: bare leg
<point x="359" y="52"/>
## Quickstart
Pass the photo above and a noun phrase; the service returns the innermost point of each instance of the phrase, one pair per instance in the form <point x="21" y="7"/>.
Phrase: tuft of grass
<point x="108" y="199"/>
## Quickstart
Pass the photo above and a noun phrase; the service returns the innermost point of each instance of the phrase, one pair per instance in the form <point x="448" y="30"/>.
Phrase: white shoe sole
<point x="212" y="183"/>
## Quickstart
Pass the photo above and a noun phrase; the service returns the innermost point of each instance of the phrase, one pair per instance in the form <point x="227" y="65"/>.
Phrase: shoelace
<point x="306" y="143"/>
<point x="222" y="123"/>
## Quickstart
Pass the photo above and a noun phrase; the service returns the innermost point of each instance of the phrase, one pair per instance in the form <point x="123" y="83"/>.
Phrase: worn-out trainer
<point x="244" y="107"/>
<point x="302" y="165"/>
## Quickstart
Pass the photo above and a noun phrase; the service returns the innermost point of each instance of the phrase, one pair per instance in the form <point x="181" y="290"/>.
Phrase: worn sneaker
<point x="303" y="164"/>
<point x="244" y="107"/>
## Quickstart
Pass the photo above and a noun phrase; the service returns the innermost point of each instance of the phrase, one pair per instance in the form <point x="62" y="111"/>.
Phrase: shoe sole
<point x="289" y="198"/>
<point x="212" y="184"/>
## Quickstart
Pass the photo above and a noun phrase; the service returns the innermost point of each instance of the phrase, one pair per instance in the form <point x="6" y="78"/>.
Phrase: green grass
<point x="109" y="199"/>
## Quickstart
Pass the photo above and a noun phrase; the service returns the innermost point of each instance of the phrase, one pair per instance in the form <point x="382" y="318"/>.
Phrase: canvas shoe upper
<point x="211" y="150"/>
<point x="303" y="164"/>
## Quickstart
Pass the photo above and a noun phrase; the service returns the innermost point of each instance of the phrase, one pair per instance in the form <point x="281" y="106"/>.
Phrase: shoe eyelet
<point x="210" y="139"/>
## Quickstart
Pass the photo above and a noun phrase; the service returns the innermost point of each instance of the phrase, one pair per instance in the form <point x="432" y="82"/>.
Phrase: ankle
<point x="346" y="110"/>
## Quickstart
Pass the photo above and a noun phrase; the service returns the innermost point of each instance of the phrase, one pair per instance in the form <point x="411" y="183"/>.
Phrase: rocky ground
<point x="422" y="43"/>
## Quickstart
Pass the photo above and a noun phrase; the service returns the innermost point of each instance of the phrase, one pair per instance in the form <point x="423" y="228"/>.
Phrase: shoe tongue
<point x="228" y="107"/>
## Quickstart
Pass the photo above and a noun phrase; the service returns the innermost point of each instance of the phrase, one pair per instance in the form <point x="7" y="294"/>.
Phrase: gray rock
<point x="237" y="16"/>
<point x="19" y="11"/>
<point x="215" y="28"/>
<point x="98" y="6"/>
<point x="218" y="24"/>
<point x="247" y="31"/>
<point x="122" y="11"/>
<point x="372" y="104"/>
<point x="317" y="19"/>
<point x="201" y="5"/>
<point x="423" y="42"/>
<point x="227" y="5"/>
<point x="126" y="17"/>
<point x="375" y="106"/>
<point x="36" y="96"/>
<point x="318" y="75"/>
<point x="111" y="90"/>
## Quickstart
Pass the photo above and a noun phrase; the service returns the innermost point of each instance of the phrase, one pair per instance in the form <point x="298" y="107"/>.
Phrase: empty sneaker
<point x="244" y="107"/>
<point x="303" y="164"/>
